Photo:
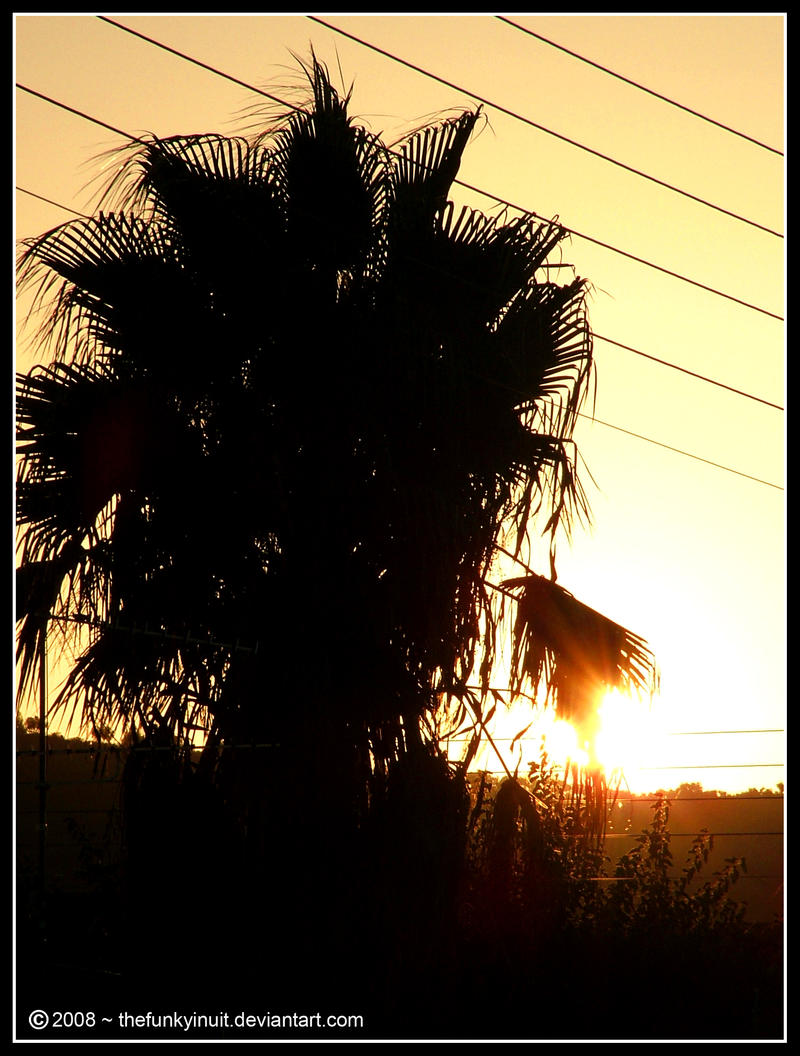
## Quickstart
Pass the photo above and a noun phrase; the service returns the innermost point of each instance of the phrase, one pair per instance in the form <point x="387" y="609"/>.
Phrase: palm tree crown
<point x="295" y="396"/>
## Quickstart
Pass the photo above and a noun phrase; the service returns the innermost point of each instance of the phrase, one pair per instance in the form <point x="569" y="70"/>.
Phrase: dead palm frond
<point x="577" y="652"/>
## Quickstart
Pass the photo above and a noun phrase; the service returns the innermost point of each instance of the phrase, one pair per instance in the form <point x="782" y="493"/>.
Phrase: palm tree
<point x="295" y="399"/>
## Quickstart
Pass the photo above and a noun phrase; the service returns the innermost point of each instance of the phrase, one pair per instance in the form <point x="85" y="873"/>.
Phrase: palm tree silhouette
<point x="296" y="397"/>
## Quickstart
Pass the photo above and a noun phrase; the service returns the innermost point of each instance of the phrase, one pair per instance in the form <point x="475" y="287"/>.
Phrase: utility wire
<point x="80" y="113"/>
<point x="680" y="451"/>
<point x="629" y="256"/>
<point x="543" y="128"/>
<point x="58" y="205"/>
<point x="460" y="183"/>
<point x="691" y="373"/>
<point x="668" y="447"/>
<point x="641" y="87"/>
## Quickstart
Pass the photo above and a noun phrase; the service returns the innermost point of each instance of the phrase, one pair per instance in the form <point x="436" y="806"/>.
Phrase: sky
<point x="687" y="546"/>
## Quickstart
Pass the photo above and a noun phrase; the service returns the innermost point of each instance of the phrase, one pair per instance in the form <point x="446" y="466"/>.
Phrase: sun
<point x="563" y="746"/>
<point x="628" y="740"/>
<point x="623" y="745"/>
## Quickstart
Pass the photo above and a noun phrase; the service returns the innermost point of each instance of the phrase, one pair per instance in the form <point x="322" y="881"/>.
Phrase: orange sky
<point x="688" y="555"/>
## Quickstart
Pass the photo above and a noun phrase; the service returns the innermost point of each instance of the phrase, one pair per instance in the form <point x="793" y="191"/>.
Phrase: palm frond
<point x="39" y="588"/>
<point x="546" y="357"/>
<point x="331" y="177"/>
<point x="428" y="163"/>
<point x="577" y="651"/>
<point x="110" y="279"/>
<point x="85" y="435"/>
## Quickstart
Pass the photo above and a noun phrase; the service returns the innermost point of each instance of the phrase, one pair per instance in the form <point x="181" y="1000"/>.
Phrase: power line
<point x="658" y="443"/>
<point x="641" y="87"/>
<point x="543" y="128"/>
<point x="684" y="370"/>
<point x="631" y="256"/>
<point x="680" y="451"/>
<point x="460" y="183"/>
<point x="58" y="205"/>
<point x="80" y="113"/>
<point x="198" y="62"/>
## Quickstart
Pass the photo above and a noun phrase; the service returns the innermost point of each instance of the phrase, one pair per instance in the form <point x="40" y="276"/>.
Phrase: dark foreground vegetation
<point x="466" y="910"/>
